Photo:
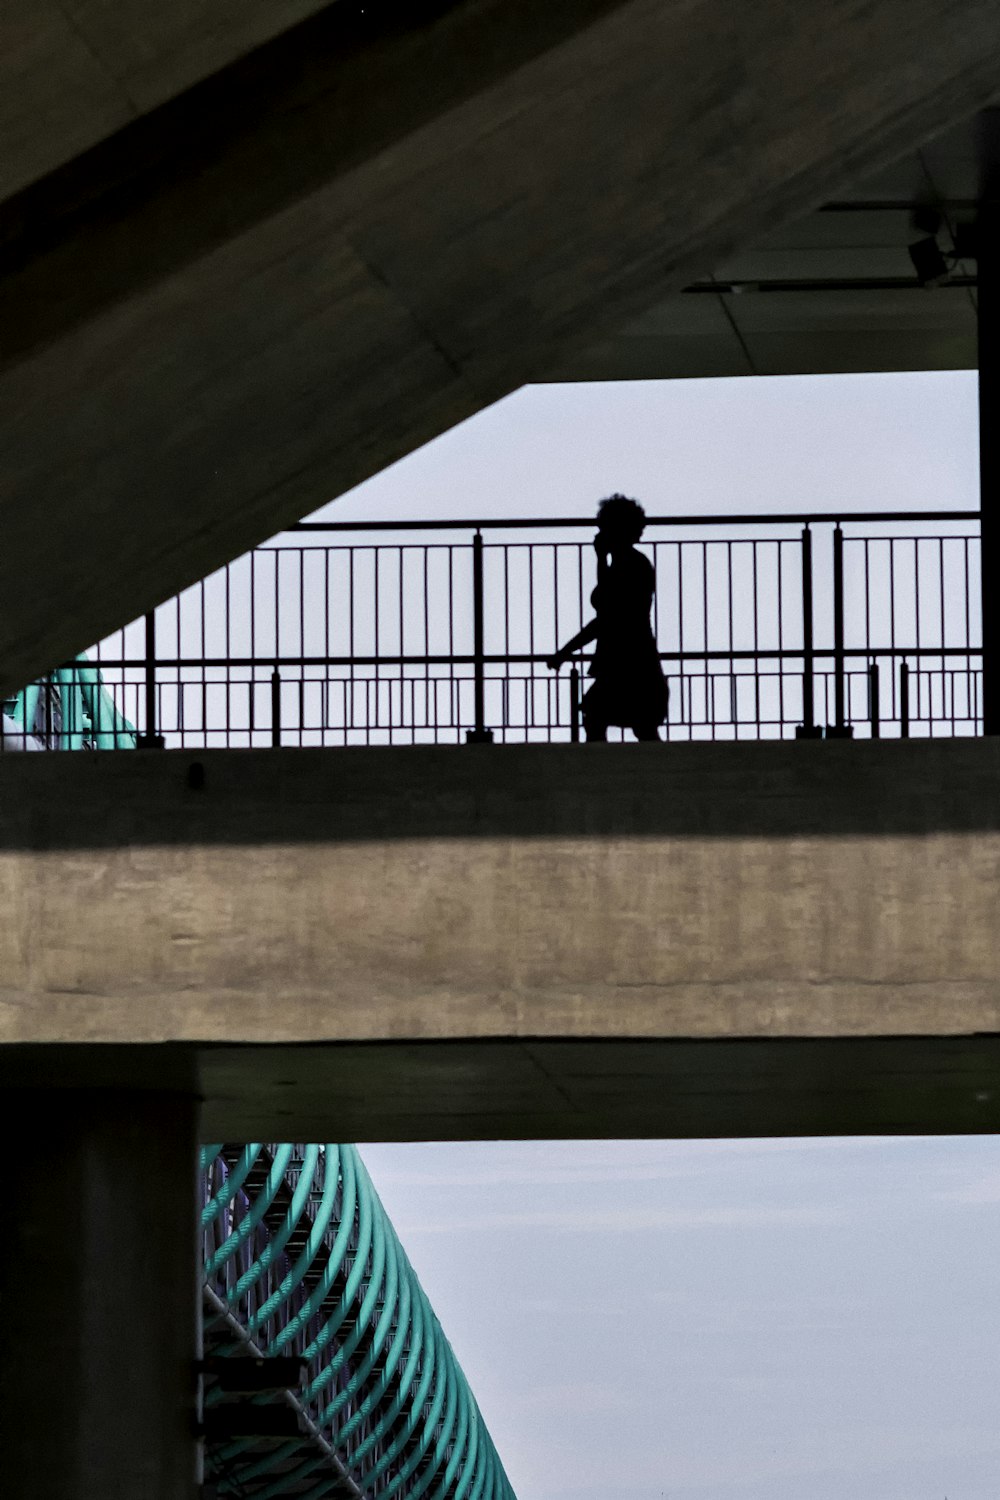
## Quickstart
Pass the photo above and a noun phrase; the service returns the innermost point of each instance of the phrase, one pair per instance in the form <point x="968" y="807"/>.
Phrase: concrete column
<point x="98" y="1295"/>
<point x="988" y="320"/>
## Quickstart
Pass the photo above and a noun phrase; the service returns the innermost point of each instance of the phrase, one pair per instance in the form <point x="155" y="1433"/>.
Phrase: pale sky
<point x="759" y="1320"/>
<point x="771" y="1320"/>
<point x="858" y="442"/>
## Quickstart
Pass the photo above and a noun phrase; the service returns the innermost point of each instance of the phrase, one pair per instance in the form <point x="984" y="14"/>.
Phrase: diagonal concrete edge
<point x="247" y="332"/>
<point x="70" y="74"/>
<point x="269" y="129"/>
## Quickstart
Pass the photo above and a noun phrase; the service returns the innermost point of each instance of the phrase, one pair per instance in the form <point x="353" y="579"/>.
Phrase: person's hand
<point x="555" y="661"/>
<point x="601" y="546"/>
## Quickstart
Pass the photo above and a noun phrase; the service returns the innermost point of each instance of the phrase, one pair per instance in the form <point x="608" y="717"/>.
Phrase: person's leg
<point x="646" y="731"/>
<point x="594" y="713"/>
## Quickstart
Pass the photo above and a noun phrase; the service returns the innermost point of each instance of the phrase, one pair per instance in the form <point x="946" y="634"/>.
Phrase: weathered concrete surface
<point x="511" y="924"/>
<point x="74" y="71"/>
<point x="326" y="254"/>
<point x="449" y="893"/>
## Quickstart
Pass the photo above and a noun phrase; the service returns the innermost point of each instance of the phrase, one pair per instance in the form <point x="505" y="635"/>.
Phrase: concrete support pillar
<point x="98" y="1295"/>
<point x="988" y="313"/>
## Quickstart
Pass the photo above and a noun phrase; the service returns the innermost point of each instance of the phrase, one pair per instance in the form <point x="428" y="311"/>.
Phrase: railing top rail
<point x="551" y="523"/>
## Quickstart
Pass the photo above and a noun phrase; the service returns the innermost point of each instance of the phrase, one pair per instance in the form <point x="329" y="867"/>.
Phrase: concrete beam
<point x="505" y="1089"/>
<point x="72" y="72"/>
<point x="524" y="940"/>
<point x="323" y="256"/>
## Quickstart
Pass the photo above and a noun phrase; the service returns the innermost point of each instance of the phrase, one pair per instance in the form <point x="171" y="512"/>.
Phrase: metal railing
<point x="768" y="626"/>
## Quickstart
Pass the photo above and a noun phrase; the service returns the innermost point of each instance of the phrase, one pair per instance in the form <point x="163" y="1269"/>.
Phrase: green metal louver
<point x="302" y="1259"/>
<point x="71" y="709"/>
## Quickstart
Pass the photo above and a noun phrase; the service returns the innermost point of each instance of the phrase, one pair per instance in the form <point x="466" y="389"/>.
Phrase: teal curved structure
<point x="71" y="709"/>
<point x="301" y="1260"/>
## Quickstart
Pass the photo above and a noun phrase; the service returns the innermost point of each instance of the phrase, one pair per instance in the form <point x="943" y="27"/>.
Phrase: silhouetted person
<point x="629" y="688"/>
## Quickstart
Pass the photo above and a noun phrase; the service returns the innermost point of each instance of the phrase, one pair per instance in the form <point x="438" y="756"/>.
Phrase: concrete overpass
<point x="746" y="939"/>
<point x="249" y="262"/>
<point x="250" y="258"/>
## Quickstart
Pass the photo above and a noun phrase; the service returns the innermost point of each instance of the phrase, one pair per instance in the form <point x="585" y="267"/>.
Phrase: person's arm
<point x="589" y="632"/>
<point x="582" y="638"/>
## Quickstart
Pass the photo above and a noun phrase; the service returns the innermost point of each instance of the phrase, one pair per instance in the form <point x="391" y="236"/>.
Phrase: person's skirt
<point x="627" y="693"/>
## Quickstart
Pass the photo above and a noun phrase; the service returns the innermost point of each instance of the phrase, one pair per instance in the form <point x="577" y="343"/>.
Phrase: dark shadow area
<point x="537" y="1089"/>
<point x="763" y="790"/>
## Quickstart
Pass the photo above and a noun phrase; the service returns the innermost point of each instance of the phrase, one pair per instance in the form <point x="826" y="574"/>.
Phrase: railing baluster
<point x="874" y="704"/>
<point x="808" y="729"/>
<point x="150" y="740"/>
<point x="840" y="729"/>
<point x="574" y="705"/>
<point x="480" y="735"/>
<point x="275" y="709"/>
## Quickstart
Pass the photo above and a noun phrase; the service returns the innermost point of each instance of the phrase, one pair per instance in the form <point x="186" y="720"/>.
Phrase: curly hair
<point x="623" y="516"/>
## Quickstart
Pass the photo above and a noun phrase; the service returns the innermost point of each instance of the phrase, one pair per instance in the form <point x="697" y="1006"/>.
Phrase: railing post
<point x="808" y="729"/>
<point x="480" y="735"/>
<point x="150" y="739"/>
<point x="839" y="729"/>
<point x="874" y="701"/>
<point x="574" y="705"/>
<point x="275" y="709"/>
<point x="904" y="701"/>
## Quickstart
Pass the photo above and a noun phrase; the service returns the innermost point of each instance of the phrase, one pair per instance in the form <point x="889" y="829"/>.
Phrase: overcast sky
<point x="777" y="1320"/>
<point x="856" y="442"/>
<point x="796" y="1320"/>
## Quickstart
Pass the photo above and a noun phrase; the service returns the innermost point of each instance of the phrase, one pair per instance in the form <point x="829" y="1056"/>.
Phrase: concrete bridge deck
<point x="501" y="941"/>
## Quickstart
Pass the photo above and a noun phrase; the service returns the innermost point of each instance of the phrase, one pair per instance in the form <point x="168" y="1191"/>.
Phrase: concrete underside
<point x="831" y="293"/>
<point x="272" y="268"/>
<point x="678" y="940"/>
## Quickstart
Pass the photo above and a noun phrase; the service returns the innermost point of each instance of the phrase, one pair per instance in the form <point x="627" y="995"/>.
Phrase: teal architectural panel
<point x="302" y="1266"/>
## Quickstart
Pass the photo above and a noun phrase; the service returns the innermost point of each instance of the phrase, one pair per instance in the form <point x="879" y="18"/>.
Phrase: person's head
<point x="620" y="520"/>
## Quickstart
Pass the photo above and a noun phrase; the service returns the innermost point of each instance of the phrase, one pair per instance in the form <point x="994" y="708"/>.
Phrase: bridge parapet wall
<point x="491" y="896"/>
